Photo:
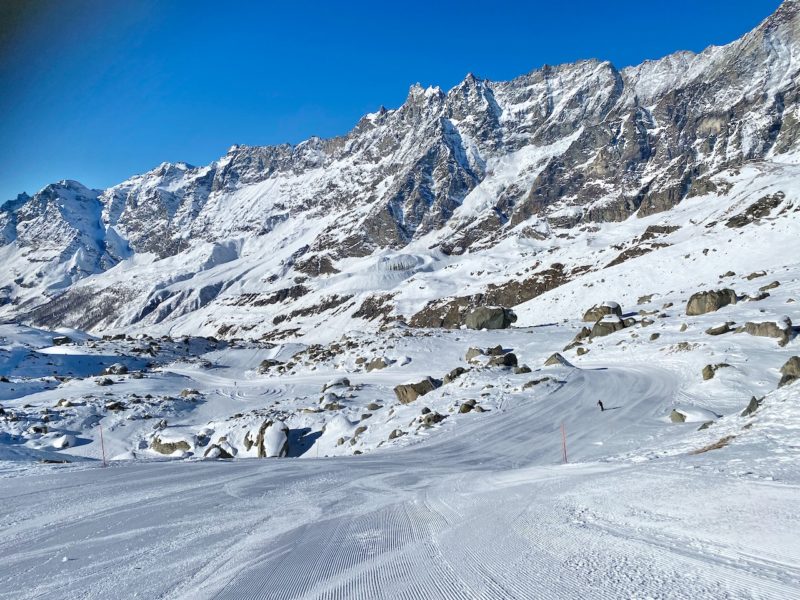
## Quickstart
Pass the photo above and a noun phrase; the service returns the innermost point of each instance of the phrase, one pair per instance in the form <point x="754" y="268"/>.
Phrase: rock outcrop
<point x="710" y="301"/>
<point x="407" y="393"/>
<point x="781" y="330"/>
<point x="598" y="311"/>
<point x="607" y="325"/>
<point x="790" y="371"/>
<point x="490" y="317"/>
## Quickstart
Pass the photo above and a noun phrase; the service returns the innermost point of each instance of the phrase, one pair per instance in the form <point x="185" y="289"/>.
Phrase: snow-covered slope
<point x="670" y="492"/>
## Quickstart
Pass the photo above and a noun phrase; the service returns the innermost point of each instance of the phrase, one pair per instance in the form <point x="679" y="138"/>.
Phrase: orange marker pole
<point x="564" y="442"/>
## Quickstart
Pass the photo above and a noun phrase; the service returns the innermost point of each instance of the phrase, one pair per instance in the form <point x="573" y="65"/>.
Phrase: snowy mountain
<point x="265" y="232"/>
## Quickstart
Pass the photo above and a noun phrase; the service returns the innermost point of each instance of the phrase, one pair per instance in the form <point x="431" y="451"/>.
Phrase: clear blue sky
<point x="100" y="90"/>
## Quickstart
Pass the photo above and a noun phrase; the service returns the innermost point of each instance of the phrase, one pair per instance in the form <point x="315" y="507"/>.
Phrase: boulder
<point x="583" y="334"/>
<point x="115" y="369"/>
<point x="396" y="433"/>
<point x="189" y="393"/>
<point x="790" y="371"/>
<point x="581" y="350"/>
<point x="710" y="301"/>
<point x="454" y="374"/>
<point x="473" y="353"/>
<point x="374" y="406"/>
<point x="504" y="360"/>
<point x="377" y="364"/>
<point x="409" y="392"/>
<point x="490" y="317"/>
<point x="607" y="325"/>
<point x="432" y="418"/>
<point x="521" y="370"/>
<point x="719" y="329"/>
<point x="752" y="406"/>
<point x="61" y="340"/>
<point x="710" y="370"/>
<point x="338" y="382"/>
<point x="467" y="406"/>
<point x="677" y="417"/>
<point x="103" y="381"/>
<point x="272" y="439"/>
<point x="781" y="330"/>
<point x="769" y="286"/>
<point x="169" y="446"/>
<point x="598" y="311"/>
<point x="556" y="360"/>
<point x="218" y="451"/>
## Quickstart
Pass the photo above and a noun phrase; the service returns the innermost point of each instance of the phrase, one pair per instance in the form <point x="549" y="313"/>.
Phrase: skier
<point x="600" y="404"/>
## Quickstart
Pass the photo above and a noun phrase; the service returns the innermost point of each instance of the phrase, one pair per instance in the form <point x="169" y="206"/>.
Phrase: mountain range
<point x="490" y="178"/>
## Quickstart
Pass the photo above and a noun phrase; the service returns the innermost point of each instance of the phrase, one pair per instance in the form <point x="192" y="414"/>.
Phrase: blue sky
<point x="100" y="90"/>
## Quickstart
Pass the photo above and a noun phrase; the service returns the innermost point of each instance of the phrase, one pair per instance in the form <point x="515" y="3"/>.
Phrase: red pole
<point x="102" y="445"/>
<point x="564" y="442"/>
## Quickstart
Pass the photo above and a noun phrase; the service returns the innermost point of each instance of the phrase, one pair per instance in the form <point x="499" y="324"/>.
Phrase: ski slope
<point x="485" y="510"/>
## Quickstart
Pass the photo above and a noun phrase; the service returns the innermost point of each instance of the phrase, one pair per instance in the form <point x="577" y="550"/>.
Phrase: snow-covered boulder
<point x="115" y="369"/>
<point x="598" y="311"/>
<point x="272" y="440"/>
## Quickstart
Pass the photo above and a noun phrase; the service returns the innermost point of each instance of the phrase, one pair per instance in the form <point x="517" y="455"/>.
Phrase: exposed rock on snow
<point x="454" y="374"/>
<point x="710" y="301"/>
<point x="790" y="371"/>
<point x="116" y="369"/>
<point x="557" y="360"/>
<point x="720" y="329"/>
<point x="607" y="325"/>
<point x="409" y="392"/>
<point x="710" y="370"/>
<point x="599" y="311"/>
<point x="490" y="317"/>
<point x="782" y="330"/>
<point x="752" y="406"/>
<point x="164" y="445"/>
<point x="377" y="364"/>
<point x="503" y="360"/>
